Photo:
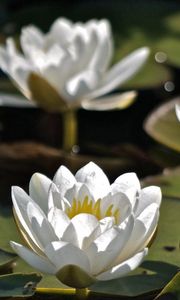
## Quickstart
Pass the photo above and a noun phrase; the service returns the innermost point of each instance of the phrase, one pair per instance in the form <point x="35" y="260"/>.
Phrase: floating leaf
<point x="139" y="284"/>
<point x="163" y="125"/>
<point x="7" y="260"/>
<point x="171" y="290"/>
<point x="169" y="182"/>
<point x="18" y="285"/>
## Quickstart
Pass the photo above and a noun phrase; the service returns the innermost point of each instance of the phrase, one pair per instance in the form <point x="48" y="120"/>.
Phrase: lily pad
<point x="172" y="289"/>
<point x="168" y="181"/>
<point x="163" y="126"/>
<point x="7" y="261"/>
<point x="18" y="285"/>
<point x="142" y="284"/>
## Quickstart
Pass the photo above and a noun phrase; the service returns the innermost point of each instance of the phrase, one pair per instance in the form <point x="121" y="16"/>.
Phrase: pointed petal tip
<point x="15" y="188"/>
<point x="110" y="102"/>
<point x="144" y="51"/>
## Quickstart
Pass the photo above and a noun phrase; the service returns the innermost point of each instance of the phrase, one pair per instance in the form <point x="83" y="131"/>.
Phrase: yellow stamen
<point x="109" y="211"/>
<point x="89" y="207"/>
<point x="96" y="210"/>
<point x="116" y="215"/>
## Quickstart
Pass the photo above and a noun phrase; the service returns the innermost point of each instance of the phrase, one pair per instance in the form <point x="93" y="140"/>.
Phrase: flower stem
<point x="81" y="294"/>
<point x="70" y="129"/>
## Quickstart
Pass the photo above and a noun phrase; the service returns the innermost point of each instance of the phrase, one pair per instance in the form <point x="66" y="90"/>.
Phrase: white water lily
<point x="82" y="229"/>
<point x="68" y="66"/>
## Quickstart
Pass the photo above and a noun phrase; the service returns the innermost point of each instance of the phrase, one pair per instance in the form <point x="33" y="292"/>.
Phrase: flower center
<point x="94" y="208"/>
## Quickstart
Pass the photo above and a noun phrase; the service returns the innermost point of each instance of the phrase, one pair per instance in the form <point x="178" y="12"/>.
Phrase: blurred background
<point x="117" y="134"/>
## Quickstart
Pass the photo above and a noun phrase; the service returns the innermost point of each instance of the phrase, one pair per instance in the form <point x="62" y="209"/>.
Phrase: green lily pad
<point x="168" y="181"/>
<point x="172" y="289"/>
<point x="7" y="261"/>
<point x="18" y="285"/>
<point x="139" y="284"/>
<point x="163" y="126"/>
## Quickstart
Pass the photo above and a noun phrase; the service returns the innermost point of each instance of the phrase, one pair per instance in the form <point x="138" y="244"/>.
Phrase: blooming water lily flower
<point x="68" y="67"/>
<point x="82" y="228"/>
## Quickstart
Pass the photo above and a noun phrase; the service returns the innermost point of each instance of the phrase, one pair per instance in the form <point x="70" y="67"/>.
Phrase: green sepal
<point x="74" y="276"/>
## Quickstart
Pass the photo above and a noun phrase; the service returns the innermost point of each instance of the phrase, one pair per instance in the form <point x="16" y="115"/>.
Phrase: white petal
<point x="19" y="74"/>
<point x="124" y="268"/>
<point x="30" y="37"/>
<point x="106" y="223"/>
<point x="20" y="201"/>
<point x="53" y="74"/>
<point x="127" y="181"/>
<point x="148" y="195"/>
<point x="42" y="229"/>
<point x="70" y="235"/>
<point x="120" y="202"/>
<point x="112" y="102"/>
<point x="104" y="250"/>
<point x="149" y="217"/>
<point x="59" y="221"/>
<point x="65" y="70"/>
<point x="143" y="230"/>
<point x="129" y="184"/>
<point x="121" y="72"/>
<point x="15" y="66"/>
<point x="64" y="180"/>
<point x="55" y="198"/>
<point x="87" y="228"/>
<point x="38" y="190"/>
<point x="36" y="261"/>
<point x="95" y="179"/>
<point x="103" y="52"/>
<point x="82" y="83"/>
<point x="62" y="254"/>
<point x="60" y="31"/>
<point x="84" y="48"/>
<point x="79" y="192"/>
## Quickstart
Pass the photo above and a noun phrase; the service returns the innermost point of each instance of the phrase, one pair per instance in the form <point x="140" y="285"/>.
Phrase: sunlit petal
<point x="38" y="190"/>
<point x="94" y="178"/>
<point x="62" y="254"/>
<point x="36" y="261"/>
<point x="124" y="268"/>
